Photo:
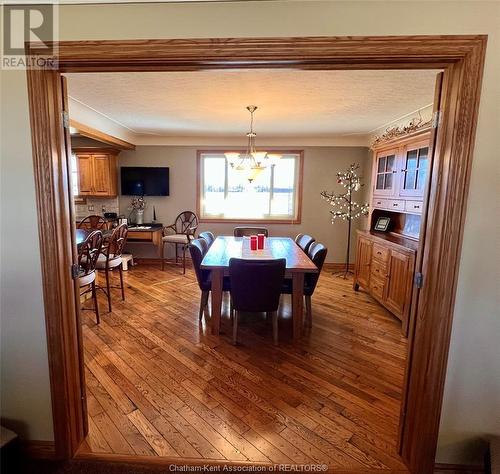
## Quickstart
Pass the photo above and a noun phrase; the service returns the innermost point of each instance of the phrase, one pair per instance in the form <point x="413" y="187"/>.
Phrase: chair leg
<point x="231" y="310"/>
<point x="203" y="304"/>
<point x="162" y="256"/>
<point x="96" y="304"/>
<point x="176" y="254"/>
<point x="235" y="328"/>
<point x="108" y="288"/>
<point x="184" y="259"/>
<point x="120" y="268"/>
<point x="308" y="312"/>
<point x="275" y="328"/>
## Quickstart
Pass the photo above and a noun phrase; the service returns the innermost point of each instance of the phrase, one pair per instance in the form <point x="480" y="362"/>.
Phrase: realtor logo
<point x="29" y="23"/>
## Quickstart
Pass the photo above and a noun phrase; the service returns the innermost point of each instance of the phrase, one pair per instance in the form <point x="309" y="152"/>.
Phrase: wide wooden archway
<point x="461" y="58"/>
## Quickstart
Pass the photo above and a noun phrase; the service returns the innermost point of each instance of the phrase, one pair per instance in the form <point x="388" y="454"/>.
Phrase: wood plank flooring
<point x="158" y="384"/>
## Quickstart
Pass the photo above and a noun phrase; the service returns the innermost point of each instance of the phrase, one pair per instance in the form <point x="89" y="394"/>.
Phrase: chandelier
<point x="252" y="162"/>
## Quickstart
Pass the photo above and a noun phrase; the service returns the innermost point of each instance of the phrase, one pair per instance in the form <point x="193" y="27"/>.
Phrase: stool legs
<point x="108" y="288"/>
<point x="120" y="268"/>
<point x="96" y="304"/>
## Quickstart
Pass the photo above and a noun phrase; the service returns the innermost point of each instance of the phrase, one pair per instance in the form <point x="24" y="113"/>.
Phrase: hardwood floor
<point x="159" y="384"/>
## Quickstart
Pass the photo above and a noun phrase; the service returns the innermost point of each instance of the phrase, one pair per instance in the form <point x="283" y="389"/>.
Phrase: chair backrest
<point x="197" y="249"/>
<point x="317" y="253"/>
<point x="241" y="231"/>
<point x="208" y="236"/>
<point x="88" y="252"/>
<point x="93" y="222"/>
<point x="256" y="284"/>
<point x="186" y="223"/>
<point x="117" y="241"/>
<point x="304" y="241"/>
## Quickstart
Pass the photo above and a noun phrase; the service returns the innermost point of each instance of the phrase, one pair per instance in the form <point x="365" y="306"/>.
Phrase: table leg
<point x="297" y="303"/>
<point x="217" y="276"/>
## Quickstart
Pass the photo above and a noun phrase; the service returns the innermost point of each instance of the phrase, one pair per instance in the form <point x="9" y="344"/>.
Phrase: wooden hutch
<point x="385" y="261"/>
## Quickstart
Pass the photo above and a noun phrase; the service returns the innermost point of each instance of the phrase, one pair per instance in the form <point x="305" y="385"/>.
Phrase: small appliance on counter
<point x="111" y="217"/>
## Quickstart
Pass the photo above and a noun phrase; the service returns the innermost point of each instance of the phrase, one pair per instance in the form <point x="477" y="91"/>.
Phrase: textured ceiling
<point x="290" y="103"/>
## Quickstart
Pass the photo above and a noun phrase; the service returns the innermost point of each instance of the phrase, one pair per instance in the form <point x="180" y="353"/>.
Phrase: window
<point x="225" y="193"/>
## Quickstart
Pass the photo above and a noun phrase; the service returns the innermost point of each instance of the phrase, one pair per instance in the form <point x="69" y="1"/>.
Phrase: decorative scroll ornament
<point x="399" y="131"/>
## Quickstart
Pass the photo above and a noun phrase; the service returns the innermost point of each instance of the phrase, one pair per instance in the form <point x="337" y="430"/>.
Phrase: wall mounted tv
<point x="144" y="181"/>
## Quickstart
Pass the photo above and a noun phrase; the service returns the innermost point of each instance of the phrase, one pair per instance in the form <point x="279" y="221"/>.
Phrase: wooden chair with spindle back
<point x="88" y="254"/>
<point x="111" y="258"/>
<point x="181" y="232"/>
<point x="92" y="222"/>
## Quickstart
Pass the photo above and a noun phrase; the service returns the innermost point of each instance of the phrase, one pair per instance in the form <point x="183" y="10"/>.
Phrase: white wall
<point x="472" y="385"/>
<point x="320" y="167"/>
<point x="25" y="391"/>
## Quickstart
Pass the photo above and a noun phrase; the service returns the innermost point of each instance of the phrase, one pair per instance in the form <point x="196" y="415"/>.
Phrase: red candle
<point x="260" y="241"/>
<point x="253" y="242"/>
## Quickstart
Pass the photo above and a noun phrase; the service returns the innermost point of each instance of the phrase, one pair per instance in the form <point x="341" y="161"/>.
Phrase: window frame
<point x="271" y="220"/>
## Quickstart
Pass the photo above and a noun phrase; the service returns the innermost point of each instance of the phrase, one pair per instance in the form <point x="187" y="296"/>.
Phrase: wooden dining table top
<point x="226" y="247"/>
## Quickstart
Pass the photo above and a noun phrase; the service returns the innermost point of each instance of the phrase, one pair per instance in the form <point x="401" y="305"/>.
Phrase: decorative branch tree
<point x="344" y="207"/>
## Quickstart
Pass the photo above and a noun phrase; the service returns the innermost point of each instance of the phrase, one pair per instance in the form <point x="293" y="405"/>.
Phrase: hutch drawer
<point x="380" y="253"/>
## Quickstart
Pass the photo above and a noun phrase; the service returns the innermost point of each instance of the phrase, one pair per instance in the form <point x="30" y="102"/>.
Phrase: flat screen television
<point x="144" y="181"/>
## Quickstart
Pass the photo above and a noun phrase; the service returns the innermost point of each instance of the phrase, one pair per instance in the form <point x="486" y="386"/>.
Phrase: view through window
<point x="225" y="193"/>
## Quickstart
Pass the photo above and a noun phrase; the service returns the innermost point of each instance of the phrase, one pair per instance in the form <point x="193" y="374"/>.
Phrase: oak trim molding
<point x="461" y="58"/>
<point x="90" y="132"/>
<point x="35" y="449"/>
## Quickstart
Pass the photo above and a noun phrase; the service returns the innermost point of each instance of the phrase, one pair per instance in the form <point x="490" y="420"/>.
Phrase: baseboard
<point x="337" y="267"/>
<point x="39" y="449"/>
<point x="440" y="468"/>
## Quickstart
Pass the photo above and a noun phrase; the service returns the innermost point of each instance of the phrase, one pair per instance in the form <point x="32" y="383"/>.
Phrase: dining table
<point x="224" y="248"/>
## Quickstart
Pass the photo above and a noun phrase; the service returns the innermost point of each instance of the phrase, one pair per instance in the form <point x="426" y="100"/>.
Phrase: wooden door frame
<point x="461" y="58"/>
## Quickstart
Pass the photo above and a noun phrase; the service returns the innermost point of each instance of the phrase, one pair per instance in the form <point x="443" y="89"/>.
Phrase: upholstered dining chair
<point x="111" y="259"/>
<point x="198" y="248"/>
<point x="92" y="222"/>
<point x="88" y="253"/>
<point x="181" y="232"/>
<point x="241" y="231"/>
<point x="208" y="236"/>
<point x="317" y="253"/>
<point x="304" y="241"/>
<point x="255" y="287"/>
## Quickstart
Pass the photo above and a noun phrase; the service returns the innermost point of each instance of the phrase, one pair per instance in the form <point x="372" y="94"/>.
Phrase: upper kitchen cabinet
<point x="95" y="172"/>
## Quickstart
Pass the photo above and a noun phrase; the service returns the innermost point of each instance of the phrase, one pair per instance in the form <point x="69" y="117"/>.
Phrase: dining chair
<point x="88" y="253"/>
<point x="255" y="287"/>
<point x="111" y="258"/>
<point x="208" y="236"/>
<point x="248" y="231"/>
<point x="92" y="222"/>
<point x="304" y="241"/>
<point x="181" y="232"/>
<point x="198" y="248"/>
<point x="317" y="253"/>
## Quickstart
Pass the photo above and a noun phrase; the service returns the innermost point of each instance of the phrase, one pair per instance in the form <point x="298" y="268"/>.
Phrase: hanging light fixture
<point x="252" y="162"/>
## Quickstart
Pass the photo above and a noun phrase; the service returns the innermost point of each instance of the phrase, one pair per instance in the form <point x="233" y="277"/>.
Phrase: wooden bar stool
<point x="111" y="259"/>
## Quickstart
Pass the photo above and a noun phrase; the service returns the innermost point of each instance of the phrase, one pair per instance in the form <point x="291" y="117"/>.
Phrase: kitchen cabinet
<point x="96" y="172"/>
